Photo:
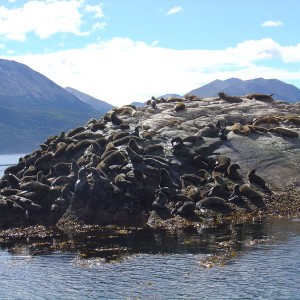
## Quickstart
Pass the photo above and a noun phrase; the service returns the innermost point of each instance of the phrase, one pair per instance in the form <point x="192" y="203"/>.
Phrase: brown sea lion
<point x="165" y="179"/>
<point x="232" y="172"/>
<point x="160" y="201"/>
<point x="257" y="180"/>
<point x="267" y="120"/>
<point x="126" y="109"/>
<point x="231" y="99"/>
<point x="187" y="208"/>
<point x="284" y="131"/>
<point x="260" y="97"/>
<point x="250" y="193"/>
<point x="236" y="128"/>
<point x="222" y="163"/>
<point x="115" y="120"/>
<point x="209" y="202"/>
<point x="179" y="106"/>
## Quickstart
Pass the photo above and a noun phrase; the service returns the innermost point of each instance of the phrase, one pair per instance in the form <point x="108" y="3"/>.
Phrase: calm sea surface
<point x="259" y="259"/>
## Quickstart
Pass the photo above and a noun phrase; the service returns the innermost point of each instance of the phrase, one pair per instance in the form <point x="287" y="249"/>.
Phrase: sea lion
<point x="236" y="195"/>
<point x="257" y="180"/>
<point x="160" y="201"/>
<point x="222" y="163"/>
<point x="165" y="179"/>
<point x="13" y="181"/>
<point x="34" y="185"/>
<point x="46" y="158"/>
<point x="126" y="139"/>
<point x="27" y="204"/>
<point x="119" y="135"/>
<point x="155" y="163"/>
<point x="94" y="161"/>
<point x="180" y="197"/>
<point x="126" y="109"/>
<point x="115" y="120"/>
<point x="135" y="147"/>
<point x="217" y="191"/>
<point x="199" y="162"/>
<point x="231" y="99"/>
<point x="192" y="139"/>
<point x="190" y="97"/>
<point x="260" y="97"/>
<point x="124" y="126"/>
<point x="60" y="149"/>
<point x="174" y="99"/>
<point x="33" y="158"/>
<point x="209" y="131"/>
<point x="232" y="172"/>
<point x="179" y="106"/>
<point x="120" y="181"/>
<point x="257" y="129"/>
<point x="116" y="157"/>
<point x="187" y="208"/>
<point x="32" y="170"/>
<point x="110" y="146"/>
<point x="82" y="187"/>
<point x="154" y="149"/>
<point x="193" y="192"/>
<point x="211" y="202"/>
<point x="133" y="156"/>
<point x="177" y="142"/>
<point x="62" y="168"/>
<point x="191" y="179"/>
<point x="97" y="126"/>
<point x="219" y="180"/>
<point x="102" y="180"/>
<point x="14" y="169"/>
<point x="74" y="131"/>
<point x="148" y="135"/>
<point x="293" y="119"/>
<point x="266" y="120"/>
<point x="87" y="135"/>
<point x="223" y="134"/>
<point x="62" y="181"/>
<point x="248" y="192"/>
<point x="236" y="128"/>
<point x="284" y="131"/>
<point x="204" y="175"/>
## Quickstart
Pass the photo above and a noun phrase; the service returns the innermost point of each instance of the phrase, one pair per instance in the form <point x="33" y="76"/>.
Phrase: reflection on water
<point x="158" y="265"/>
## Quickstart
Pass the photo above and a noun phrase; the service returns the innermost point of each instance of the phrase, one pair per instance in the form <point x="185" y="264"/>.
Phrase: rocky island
<point x="172" y="163"/>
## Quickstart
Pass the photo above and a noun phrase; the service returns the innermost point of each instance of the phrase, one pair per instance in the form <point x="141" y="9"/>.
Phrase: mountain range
<point x="32" y="107"/>
<point x="238" y="87"/>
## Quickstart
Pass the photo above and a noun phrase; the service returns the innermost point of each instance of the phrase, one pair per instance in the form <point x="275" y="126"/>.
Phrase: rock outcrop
<point x="138" y="166"/>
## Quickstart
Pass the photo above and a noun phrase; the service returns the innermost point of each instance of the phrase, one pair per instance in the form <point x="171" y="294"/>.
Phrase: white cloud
<point x="99" y="25"/>
<point x="97" y="9"/>
<point x="121" y="70"/>
<point x="174" y="10"/>
<point x="272" y="24"/>
<point x="44" y="18"/>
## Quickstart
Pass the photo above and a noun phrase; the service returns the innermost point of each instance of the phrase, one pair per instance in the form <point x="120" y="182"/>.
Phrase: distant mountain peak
<point x="238" y="87"/>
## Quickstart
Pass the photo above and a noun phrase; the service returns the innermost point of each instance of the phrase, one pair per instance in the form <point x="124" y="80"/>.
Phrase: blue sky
<point x="122" y="51"/>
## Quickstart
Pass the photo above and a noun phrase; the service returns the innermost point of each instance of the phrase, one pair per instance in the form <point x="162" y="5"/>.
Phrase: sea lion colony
<point x="137" y="165"/>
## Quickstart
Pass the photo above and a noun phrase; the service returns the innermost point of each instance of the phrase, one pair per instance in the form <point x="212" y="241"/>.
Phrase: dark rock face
<point x="156" y="165"/>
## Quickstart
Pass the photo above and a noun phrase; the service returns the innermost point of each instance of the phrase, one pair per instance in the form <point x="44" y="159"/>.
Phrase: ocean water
<point x="257" y="259"/>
